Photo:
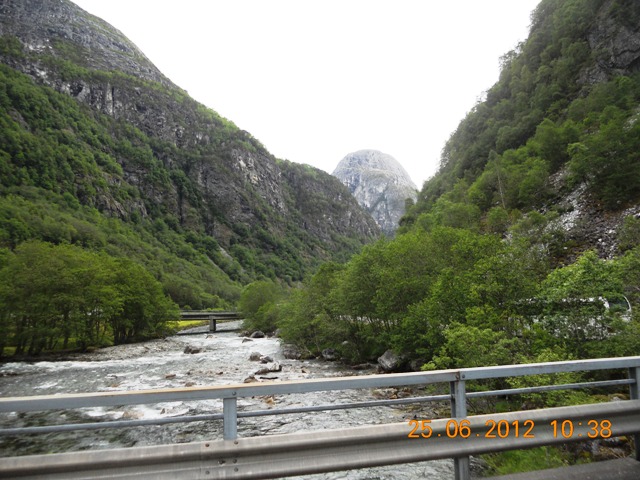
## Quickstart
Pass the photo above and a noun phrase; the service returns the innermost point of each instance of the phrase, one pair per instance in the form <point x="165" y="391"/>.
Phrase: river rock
<point x="258" y="334"/>
<point x="329" y="354"/>
<point x="265" y="359"/>
<point x="291" y="352"/>
<point x="191" y="349"/>
<point x="255" y="356"/>
<point x="390" y="361"/>
<point x="272" y="367"/>
<point x="250" y="379"/>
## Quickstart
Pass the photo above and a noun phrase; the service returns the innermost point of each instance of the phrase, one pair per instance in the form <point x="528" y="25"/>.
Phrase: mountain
<point x="380" y="184"/>
<point x="554" y="143"/>
<point x="525" y="246"/>
<point x="99" y="149"/>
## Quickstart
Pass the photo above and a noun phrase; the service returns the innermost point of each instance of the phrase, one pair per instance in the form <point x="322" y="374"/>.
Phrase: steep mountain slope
<point x="380" y="184"/>
<point x="90" y="126"/>
<point x="557" y="134"/>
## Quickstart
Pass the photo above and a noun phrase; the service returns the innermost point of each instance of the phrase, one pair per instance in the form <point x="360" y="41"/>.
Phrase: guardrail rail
<point x="273" y="456"/>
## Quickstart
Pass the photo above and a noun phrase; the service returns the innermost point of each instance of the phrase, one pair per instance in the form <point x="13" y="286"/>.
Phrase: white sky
<point x="314" y="80"/>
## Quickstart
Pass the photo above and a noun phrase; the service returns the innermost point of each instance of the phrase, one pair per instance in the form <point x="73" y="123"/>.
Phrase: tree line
<point x="65" y="297"/>
<point x="452" y="297"/>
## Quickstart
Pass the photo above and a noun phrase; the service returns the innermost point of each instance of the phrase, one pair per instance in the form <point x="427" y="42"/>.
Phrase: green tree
<point x="573" y="302"/>
<point x="258" y="302"/>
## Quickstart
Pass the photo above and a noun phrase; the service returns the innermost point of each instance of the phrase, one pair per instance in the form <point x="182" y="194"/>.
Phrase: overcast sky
<point x="314" y="80"/>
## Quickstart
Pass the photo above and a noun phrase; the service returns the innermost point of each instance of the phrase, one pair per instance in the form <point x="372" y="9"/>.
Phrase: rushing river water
<point x="223" y="359"/>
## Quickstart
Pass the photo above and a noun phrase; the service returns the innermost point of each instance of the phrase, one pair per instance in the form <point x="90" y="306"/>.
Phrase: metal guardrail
<point x="280" y="455"/>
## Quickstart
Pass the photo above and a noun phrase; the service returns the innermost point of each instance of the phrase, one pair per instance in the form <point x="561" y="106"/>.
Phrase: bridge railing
<point x="628" y="420"/>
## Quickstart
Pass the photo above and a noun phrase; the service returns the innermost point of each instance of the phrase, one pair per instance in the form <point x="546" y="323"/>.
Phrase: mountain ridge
<point x="149" y="153"/>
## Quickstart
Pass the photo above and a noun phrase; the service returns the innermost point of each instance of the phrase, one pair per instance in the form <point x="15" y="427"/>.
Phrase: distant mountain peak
<point x="379" y="183"/>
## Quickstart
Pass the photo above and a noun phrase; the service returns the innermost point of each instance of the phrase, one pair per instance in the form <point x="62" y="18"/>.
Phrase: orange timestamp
<point x="515" y="429"/>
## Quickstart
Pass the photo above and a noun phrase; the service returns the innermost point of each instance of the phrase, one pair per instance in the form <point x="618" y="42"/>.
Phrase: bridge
<point x="458" y="436"/>
<point x="212" y="316"/>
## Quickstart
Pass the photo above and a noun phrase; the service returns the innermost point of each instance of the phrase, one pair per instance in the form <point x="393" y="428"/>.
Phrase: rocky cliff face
<point x="200" y="168"/>
<point x="380" y="184"/>
<point x="65" y="31"/>
<point x="615" y="43"/>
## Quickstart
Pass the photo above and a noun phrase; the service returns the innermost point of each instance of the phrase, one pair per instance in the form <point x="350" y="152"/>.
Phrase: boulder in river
<point x="265" y="359"/>
<point x="272" y="367"/>
<point x="255" y="356"/>
<point x="329" y="354"/>
<point x="390" y="361"/>
<point x="191" y="349"/>
<point x="258" y="334"/>
<point x="291" y="352"/>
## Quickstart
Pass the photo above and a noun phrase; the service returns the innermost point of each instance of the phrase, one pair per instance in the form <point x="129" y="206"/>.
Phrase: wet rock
<point x="132" y="415"/>
<point x="169" y="376"/>
<point x="291" y="352"/>
<point x="245" y="340"/>
<point x="329" y="354"/>
<point x="258" y="334"/>
<point x="255" y="356"/>
<point x="265" y="359"/>
<point x="189" y="384"/>
<point x="250" y="379"/>
<point x="273" y="367"/>
<point x="390" y="361"/>
<point x="190" y="349"/>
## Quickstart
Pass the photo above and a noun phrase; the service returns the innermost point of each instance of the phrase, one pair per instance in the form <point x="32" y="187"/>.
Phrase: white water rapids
<point x="223" y="359"/>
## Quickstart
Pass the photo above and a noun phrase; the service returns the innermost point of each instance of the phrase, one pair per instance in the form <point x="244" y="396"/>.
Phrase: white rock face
<point x="379" y="183"/>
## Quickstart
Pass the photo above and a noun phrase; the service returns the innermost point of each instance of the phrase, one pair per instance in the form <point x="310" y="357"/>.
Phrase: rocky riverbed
<point x="183" y="361"/>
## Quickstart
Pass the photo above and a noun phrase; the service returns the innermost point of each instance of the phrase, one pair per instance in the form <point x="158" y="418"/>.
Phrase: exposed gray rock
<point x="255" y="356"/>
<point x="615" y="43"/>
<point x="390" y="361"/>
<point x="329" y="354"/>
<point x="272" y="367"/>
<point x="258" y="334"/>
<point x="190" y="349"/>
<point x="265" y="359"/>
<point x="380" y="184"/>
<point x="291" y="352"/>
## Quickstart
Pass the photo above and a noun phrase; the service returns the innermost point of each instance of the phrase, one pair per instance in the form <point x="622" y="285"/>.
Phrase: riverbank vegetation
<point x="64" y="297"/>
<point x="451" y="297"/>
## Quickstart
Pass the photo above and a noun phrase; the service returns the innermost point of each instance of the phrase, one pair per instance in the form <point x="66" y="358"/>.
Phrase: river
<point x="223" y="358"/>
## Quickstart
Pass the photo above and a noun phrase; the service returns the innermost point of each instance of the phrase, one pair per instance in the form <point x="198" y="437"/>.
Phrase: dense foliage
<point x="64" y="296"/>
<point x="455" y="298"/>
<point x="543" y="116"/>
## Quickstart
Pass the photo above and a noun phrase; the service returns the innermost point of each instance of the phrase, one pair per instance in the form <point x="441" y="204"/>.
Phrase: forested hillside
<point x="100" y="152"/>
<point x="524" y="246"/>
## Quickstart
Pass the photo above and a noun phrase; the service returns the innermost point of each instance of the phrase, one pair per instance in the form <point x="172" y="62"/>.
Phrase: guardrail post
<point x="230" y="418"/>
<point x="634" y="391"/>
<point x="459" y="410"/>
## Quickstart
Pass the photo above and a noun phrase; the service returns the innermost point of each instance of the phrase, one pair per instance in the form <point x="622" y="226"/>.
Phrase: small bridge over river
<point x="213" y="317"/>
